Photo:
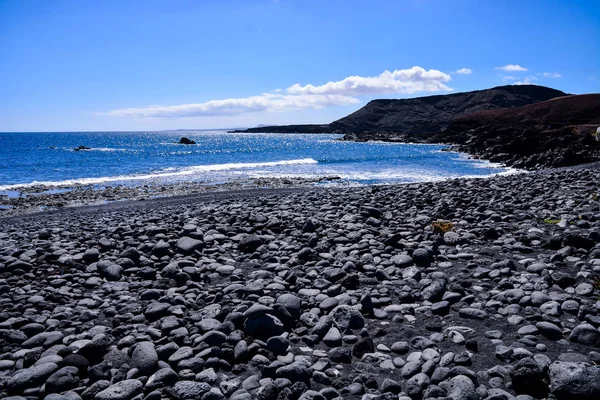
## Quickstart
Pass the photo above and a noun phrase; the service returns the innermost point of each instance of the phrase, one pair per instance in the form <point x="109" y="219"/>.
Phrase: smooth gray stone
<point x="190" y="389"/>
<point x="124" y="390"/>
<point x="574" y="381"/>
<point x="30" y="377"/>
<point x="144" y="358"/>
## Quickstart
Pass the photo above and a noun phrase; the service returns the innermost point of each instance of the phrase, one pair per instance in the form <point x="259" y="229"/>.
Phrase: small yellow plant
<point x="442" y="227"/>
<point x="551" y="221"/>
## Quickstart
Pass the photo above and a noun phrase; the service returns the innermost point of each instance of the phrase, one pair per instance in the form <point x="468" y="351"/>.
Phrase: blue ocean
<point x="141" y="158"/>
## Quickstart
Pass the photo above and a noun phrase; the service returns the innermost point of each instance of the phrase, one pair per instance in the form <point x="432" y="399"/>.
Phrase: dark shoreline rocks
<point x="299" y="295"/>
<point x="554" y="133"/>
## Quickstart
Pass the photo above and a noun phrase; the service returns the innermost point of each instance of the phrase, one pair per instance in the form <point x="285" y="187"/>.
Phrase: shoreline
<point x="156" y="202"/>
<point x="28" y="198"/>
<point x="40" y="199"/>
<point x="37" y="200"/>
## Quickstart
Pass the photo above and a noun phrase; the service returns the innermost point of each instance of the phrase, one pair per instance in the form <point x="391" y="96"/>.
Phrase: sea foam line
<point x="164" y="174"/>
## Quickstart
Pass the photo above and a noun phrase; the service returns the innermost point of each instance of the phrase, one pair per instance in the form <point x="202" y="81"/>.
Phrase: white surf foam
<point x="485" y="164"/>
<point x="167" y="173"/>
<point x="102" y="149"/>
<point x="383" y="177"/>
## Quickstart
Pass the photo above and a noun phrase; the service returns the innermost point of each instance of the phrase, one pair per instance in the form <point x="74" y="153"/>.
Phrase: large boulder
<point x="19" y="264"/>
<point x="347" y="318"/>
<point x="421" y="258"/>
<point x="569" y="380"/>
<point x="124" y="390"/>
<point x="434" y="291"/>
<point x="292" y="303"/>
<point x="165" y="377"/>
<point x="250" y="243"/>
<point x="44" y="339"/>
<point x="402" y="260"/>
<point x="30" y="377"/>
<point x="110" y="270"/>
<point x="187" y="245"/>
<point x="263" y="327"/>
<point x="131" y="253"/>
<point x="145" y="358"/>
<point x="528" y="378"/>
<point x="295" y="372"/>
<point x="64" y="379"/>
<point x="460" y="387"/>
<point x="585" y="334"/>
<point x="190" y="389"/>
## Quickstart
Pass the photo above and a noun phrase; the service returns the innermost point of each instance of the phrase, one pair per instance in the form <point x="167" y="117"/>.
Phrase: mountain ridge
<point x="417" y="118"/>
<point x="524" y="126"/>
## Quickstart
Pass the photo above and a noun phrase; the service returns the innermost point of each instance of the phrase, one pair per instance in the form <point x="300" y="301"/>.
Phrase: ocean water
<point x="140" y="158"/>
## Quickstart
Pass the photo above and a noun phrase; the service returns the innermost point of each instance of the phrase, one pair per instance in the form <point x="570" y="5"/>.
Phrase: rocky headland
<point x="414" y="120"/>
<point x="553" y="133"/>
<point x="464" y="289"/>
<point x="501" y="124"/>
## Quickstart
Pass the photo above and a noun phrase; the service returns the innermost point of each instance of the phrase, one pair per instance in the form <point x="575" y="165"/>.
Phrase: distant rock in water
<point x="185" y="140"/>
<point x="82" y="148"/>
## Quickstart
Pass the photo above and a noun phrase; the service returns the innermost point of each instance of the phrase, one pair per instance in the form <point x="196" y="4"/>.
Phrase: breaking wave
<point x="167" y="173"/>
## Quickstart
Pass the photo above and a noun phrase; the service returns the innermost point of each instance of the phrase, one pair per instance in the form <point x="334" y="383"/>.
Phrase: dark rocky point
<point x="525" y="126"/>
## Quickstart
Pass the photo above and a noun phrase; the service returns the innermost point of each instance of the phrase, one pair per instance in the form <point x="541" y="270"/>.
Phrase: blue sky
<point x="152" y="65"/>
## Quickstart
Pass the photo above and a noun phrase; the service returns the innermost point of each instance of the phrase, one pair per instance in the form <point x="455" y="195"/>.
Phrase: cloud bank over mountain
<point x="343" y="92"/>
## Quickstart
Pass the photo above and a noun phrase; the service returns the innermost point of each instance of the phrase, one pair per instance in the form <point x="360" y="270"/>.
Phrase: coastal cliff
<point x="524" y="126"/>
<point x="554" y="133"/>
<point x="416" y="119"/>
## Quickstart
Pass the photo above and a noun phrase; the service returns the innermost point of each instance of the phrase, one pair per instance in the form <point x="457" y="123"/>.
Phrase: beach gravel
<point x="461" y="289"/>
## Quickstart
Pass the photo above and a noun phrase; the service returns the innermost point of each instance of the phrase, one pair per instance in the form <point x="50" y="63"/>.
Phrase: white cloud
<point x="509" y="78"/>
<point x="527" y="81"/>
<point x="552" y="75"/>
<point x="264" y="102"/>
<point x="464" y="71"/>
<point x="512" y="67"/>
<point x="412" y="80"/>
<point x="346" y="91"/>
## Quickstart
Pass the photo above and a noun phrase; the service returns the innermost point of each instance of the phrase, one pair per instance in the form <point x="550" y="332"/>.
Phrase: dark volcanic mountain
<point x="554" y="133"/>
<point x="416" y="119"/>
<point x="524" y="126"/>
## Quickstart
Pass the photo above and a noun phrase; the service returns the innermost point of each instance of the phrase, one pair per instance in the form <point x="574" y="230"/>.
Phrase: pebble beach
<point x="461" y="289"/>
